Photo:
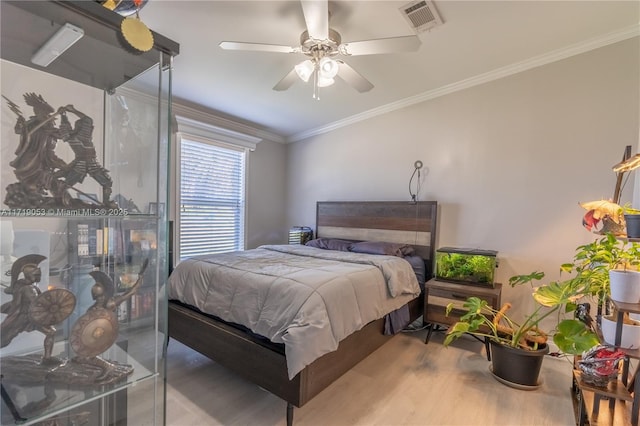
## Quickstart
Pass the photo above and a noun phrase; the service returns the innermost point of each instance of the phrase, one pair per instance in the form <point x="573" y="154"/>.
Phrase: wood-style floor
<point x="405" y="382"/>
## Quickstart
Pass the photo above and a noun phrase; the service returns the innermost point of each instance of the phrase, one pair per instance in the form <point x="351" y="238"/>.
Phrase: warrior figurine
<point x="80" y="140"/>
<point x="30" y="309"/>
<point x="35" y="163"/>
<point x="97" y="329"/>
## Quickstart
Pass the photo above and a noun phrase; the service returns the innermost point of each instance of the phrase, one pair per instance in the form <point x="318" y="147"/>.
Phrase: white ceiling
<point x="479" y="41"/>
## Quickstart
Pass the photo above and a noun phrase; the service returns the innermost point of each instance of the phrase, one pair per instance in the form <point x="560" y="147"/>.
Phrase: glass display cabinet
<point x="85" y="129"/>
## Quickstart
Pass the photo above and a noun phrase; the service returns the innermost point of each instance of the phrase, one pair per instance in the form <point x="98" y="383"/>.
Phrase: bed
<point x="264" y="362"/>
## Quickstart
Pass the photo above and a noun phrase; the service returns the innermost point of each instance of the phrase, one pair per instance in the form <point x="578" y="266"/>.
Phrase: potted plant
<point x="632" y="221"/>
<point x="609" y="266"/>
<point x="624" y="286"/>
<point x="518" y="346"/>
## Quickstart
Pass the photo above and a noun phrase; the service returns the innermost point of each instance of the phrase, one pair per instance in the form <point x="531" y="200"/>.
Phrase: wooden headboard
<point x="392" y="221"/>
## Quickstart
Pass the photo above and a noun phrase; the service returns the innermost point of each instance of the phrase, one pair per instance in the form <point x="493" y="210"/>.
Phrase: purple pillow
<point x="330" y="244"/>
<point x="381" y="247"/>
<point x="417" y="263"/>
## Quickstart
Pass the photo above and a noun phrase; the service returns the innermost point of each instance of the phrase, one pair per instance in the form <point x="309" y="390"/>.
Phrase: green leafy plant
<point x="592" y="263"/>
<point x="559" y="298"/>
<point x="465" y="267"/>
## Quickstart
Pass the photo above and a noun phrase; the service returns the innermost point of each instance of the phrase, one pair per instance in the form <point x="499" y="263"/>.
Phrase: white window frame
<point x="199" y="131"/>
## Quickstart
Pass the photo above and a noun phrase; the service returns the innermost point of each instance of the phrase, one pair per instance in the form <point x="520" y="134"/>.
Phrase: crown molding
<point x="220" y="122"/>
<point x="534" y="62"/>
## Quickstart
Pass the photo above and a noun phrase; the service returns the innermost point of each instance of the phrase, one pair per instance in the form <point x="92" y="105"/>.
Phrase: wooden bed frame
<point x="264" y="364"/>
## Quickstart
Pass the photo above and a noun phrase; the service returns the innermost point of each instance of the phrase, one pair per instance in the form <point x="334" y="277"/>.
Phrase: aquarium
<point x="471" y="266"/>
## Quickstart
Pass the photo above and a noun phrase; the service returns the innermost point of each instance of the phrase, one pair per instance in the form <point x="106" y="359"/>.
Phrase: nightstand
<point x="438" y="294"/>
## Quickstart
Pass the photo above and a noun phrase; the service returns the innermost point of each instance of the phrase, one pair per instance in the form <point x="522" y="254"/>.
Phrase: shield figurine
<point x="94" y="332"/>
<point x="52" y="307"/>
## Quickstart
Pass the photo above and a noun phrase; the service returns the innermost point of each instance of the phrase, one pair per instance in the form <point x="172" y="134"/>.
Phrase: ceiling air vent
<point x="421" y="14"/>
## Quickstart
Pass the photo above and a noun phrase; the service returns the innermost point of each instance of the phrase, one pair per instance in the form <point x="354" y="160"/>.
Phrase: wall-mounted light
<point x="63" y="39"/>
<point x="416" y="169"/>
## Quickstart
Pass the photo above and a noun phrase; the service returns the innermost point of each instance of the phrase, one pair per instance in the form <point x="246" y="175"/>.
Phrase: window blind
<point x="211" y="198"/>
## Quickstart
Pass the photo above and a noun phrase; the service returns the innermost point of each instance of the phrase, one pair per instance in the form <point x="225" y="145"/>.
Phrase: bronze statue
<point x="35" y="162"/>
<point x="96" y="330"/>
<point x="91" y="335"/>
<point x="30" y="309"/>
<point x="43" y="178"/>
<point x="80" y="140"/>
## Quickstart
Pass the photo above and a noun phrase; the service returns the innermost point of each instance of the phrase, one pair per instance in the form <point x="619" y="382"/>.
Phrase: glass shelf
<point x="83" y="189"/>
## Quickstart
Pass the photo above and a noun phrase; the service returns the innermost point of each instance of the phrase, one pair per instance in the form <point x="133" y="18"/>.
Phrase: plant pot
<point x="624" y="285"/>
<point x="630" y="334"/>
<point x="633" y="225"/>
<point x="517" y="367"/>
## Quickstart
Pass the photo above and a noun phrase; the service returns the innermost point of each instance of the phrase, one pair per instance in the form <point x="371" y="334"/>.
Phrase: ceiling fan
<point x="321" y="45"/>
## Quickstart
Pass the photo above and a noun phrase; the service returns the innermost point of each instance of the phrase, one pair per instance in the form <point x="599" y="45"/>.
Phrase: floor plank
<point x="403" y="383"/>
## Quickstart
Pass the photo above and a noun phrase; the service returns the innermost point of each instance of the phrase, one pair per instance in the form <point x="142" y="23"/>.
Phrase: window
<point x="211" y="197"/>
<point x="211" y="180"/>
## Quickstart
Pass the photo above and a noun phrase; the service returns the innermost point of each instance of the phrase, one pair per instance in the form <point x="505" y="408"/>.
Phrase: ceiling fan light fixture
<point x="324" y="82"/>
<point x="305" y="69"/>
<point x="328" y="68"/>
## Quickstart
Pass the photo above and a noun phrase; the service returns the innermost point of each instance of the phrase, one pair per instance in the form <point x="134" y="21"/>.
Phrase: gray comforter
<point x="307" y="298"/>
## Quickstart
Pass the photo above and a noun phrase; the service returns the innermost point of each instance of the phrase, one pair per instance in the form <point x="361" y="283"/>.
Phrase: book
<point x="83" y="239"/>
<point x="92" y="242"/>
<point x="99" y="242"/>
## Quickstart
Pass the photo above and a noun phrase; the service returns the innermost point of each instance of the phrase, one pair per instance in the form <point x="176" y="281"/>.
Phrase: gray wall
<point x="266" y="186"/>
<point x="508" y="161"/>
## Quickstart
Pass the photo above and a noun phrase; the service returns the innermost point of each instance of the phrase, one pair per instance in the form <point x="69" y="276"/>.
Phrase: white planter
<point x="630" y="334"/>
<point x="625" y="286"/>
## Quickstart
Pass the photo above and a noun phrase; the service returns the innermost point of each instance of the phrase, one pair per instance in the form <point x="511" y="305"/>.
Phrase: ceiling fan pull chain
<point x="316" y="90"/>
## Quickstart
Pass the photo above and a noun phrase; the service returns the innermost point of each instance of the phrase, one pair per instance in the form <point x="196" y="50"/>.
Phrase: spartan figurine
<point x="31" y="309"/>
<point x="97" y="330"/>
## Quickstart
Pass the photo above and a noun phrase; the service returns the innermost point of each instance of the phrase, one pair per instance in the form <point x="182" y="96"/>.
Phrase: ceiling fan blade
<point x="316" y="15"/>
<point x="354" y="78"/>
<point x="261" y="47"/>
<point x="381" y="45"/>
<point x="287" y="81"/>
